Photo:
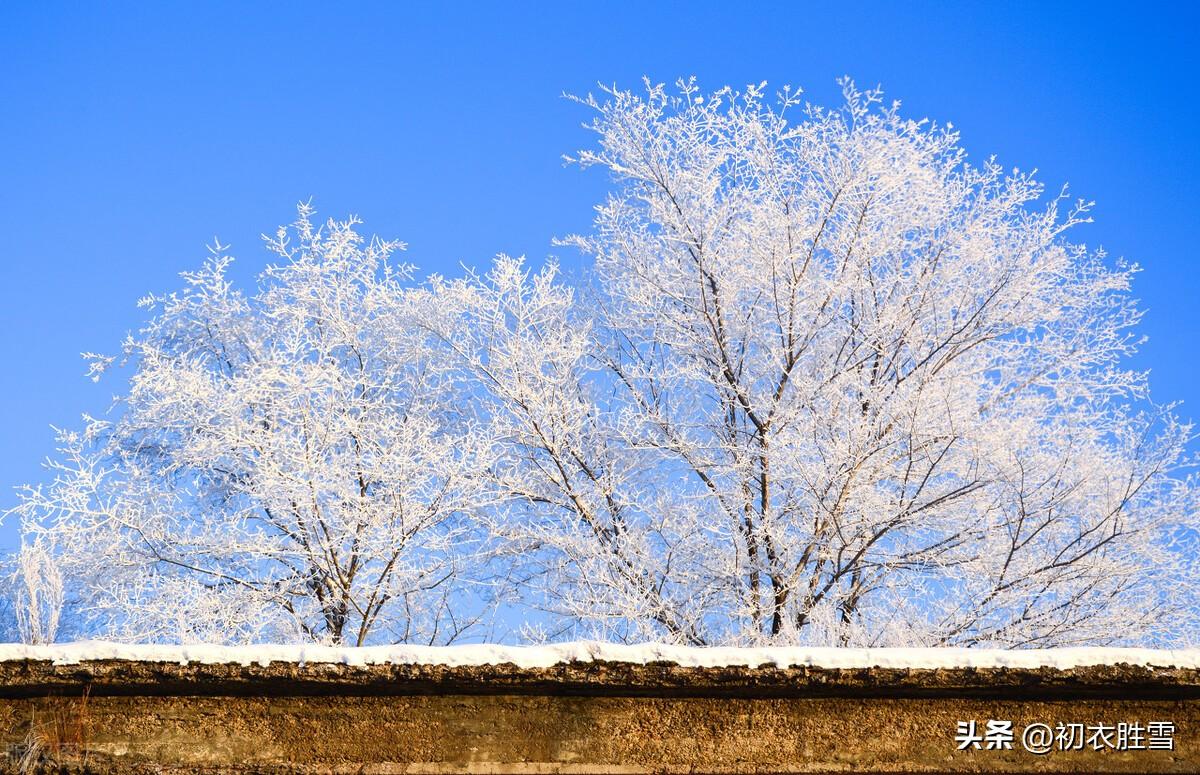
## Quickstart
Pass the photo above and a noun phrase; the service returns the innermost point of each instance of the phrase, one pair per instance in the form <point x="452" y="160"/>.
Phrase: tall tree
<point x="882" y="393"/>
<point x="287" y="465"/>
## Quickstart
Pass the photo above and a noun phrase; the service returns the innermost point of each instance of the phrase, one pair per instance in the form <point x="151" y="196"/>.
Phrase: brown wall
<point x="585" y="718"/>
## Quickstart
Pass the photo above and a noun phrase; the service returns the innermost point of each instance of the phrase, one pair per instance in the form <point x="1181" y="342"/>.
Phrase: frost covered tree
<point x="285" y="466"/>
<point x="829" y="383"/>
<point x="38" y="595"/>
<point x="835" y="385"/>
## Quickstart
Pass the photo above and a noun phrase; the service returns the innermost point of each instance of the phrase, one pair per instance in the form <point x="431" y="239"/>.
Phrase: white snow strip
<point x="587" y="651"/>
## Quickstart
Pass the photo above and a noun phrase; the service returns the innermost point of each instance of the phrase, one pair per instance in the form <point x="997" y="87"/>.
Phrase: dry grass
<point x="58" y="734"/>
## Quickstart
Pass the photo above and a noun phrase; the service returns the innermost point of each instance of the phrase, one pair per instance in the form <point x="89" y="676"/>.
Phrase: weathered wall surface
<point x="595" y="718"/>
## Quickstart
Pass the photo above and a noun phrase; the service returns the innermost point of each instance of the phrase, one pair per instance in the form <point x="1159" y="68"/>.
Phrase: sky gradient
<point x="132" y="134"/>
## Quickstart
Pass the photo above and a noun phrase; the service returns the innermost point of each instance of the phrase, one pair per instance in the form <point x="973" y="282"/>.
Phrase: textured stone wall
<point x="593" y="718"/>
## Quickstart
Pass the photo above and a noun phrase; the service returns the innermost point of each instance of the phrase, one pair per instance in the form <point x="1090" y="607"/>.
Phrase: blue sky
<point x="131" y="134"/>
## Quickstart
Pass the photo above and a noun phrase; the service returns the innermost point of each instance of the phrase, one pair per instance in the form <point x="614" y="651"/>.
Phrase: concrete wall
<point x="594" y="718"/>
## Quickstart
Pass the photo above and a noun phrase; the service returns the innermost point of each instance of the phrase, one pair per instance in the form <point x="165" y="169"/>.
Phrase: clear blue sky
<point x="130" y="134"/>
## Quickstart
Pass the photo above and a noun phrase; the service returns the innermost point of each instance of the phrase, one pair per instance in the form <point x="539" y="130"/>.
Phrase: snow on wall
<point x="586" y="651"/>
